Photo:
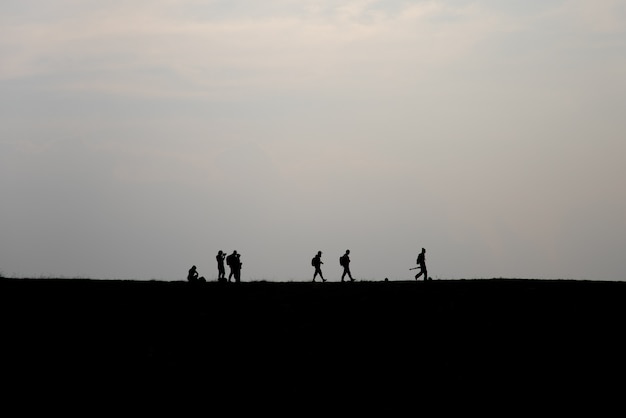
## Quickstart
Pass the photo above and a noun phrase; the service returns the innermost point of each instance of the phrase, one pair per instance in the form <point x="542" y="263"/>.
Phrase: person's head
<point x="220" y="252"/>
<point x="193" y="267"/>
<point x="235" y="252"/>
<point x="347" y="251"/>
<point x="423" y="250"/>
<point x="319" y="253"/>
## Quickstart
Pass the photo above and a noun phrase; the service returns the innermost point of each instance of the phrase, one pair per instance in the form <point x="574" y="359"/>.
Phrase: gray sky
<point x="139" y="138"/>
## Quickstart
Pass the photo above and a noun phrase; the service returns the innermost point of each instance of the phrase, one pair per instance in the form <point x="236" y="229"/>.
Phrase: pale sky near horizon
<point x="139" y="138"/>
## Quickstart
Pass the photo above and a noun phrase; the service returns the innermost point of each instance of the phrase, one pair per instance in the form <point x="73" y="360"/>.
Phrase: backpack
<point x="313" y="261"/>
<point x="342" y="260"/>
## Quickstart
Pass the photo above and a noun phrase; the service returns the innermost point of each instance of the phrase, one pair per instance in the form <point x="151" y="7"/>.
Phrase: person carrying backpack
<point x="344" y="261"/>
<point x="317" y="263"/>
<point x="232" y="260"/>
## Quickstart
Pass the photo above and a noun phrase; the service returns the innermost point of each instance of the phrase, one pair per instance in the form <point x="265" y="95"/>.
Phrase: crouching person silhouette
<point x="192" y="275"/>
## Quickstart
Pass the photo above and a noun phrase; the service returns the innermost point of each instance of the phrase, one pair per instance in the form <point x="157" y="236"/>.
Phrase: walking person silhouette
<point x="221" y="271"/>
<point x="421" y="263"/>
<point x="344" y="261"/>
<point x="317" y="263"/>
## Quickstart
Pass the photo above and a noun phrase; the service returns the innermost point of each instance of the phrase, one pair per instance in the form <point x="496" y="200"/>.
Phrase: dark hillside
<point x="366" y="341"/>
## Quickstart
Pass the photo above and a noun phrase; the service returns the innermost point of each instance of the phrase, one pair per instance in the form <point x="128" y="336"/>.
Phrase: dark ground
<point x="312" y="344"/>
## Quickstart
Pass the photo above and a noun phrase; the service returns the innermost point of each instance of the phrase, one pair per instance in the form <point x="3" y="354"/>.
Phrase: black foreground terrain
<point x="375" y="343"/>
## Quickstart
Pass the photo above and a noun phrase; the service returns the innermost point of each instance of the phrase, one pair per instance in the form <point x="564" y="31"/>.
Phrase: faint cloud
<point x="143" y="49"/>
<point x="603" y="16"/>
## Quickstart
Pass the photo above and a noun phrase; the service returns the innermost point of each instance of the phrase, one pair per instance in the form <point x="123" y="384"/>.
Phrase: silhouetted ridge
<point x="380" y="339"/>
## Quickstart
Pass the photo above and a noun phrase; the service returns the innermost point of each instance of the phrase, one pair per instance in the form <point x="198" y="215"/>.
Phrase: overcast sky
<point x="138" y="138"/>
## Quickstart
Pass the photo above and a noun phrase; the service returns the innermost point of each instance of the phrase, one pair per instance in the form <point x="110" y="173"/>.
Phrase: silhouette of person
<point x="230" y="260"/>
<point x="192" y="275"/>
<point x="317" y="263"/>
<point x="237" y="267"/>
<point x="234" y="262"/>
<point x="421" y="263"/>
<point x="221" y="271"/>
<point x="344" y="260"/>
